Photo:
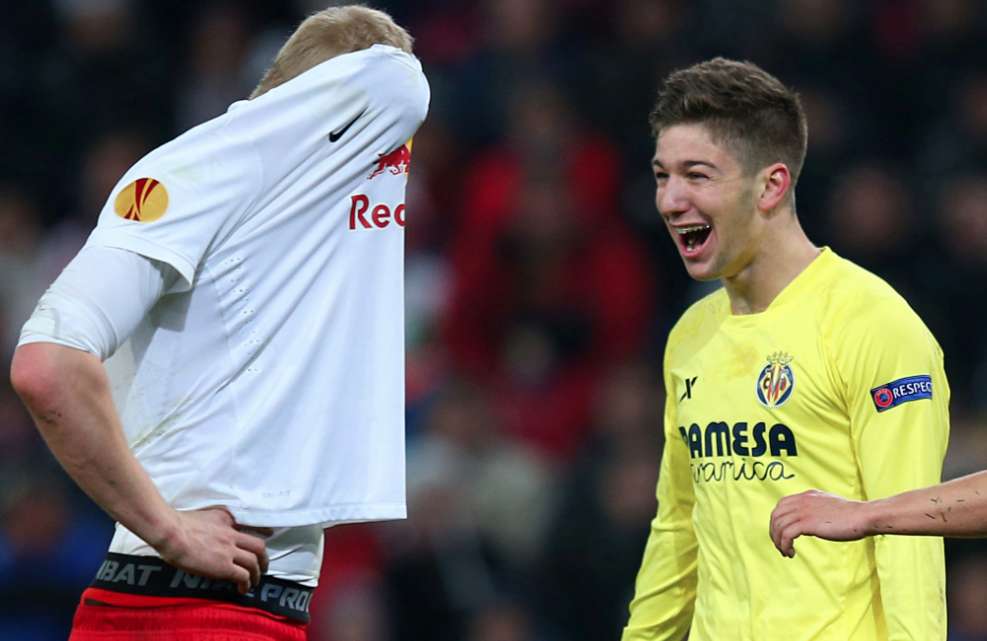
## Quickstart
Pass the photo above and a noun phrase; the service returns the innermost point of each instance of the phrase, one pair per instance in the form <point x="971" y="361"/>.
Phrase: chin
<point x="702" y="272"/>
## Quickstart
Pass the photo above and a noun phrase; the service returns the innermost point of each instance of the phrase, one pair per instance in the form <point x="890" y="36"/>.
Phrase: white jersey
<point x="270" y="380"/>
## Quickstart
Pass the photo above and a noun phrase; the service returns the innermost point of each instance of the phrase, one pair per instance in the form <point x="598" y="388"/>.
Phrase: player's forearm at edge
<point x="67" y="393"/>
<point x="957" y="508"/>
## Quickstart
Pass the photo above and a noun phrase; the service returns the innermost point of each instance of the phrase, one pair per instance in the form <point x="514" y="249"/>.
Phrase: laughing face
<point x="707" y="202"/>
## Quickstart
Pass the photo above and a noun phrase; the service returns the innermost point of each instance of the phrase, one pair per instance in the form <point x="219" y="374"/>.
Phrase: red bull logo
<point x="395" y="162"/>
<point x="776" y="381"/>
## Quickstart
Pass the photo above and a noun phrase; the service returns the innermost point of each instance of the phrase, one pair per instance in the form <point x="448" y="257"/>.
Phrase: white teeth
<point x="682" y="231"/>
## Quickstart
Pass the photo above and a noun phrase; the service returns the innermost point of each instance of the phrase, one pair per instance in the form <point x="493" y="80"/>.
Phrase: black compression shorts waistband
<point x="151" y="576"/>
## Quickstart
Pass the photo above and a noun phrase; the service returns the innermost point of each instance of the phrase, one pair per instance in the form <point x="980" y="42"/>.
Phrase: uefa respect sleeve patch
<point x="903" y="390"/>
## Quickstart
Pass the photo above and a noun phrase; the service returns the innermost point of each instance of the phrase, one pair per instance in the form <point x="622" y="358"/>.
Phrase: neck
<point x="779" y="258"/>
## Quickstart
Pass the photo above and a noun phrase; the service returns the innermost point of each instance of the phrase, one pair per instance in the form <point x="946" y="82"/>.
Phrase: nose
<point x="671" y="197"/>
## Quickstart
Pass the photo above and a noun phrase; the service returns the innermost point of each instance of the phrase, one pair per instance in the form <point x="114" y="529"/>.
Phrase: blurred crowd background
<point x="540" y="282"/>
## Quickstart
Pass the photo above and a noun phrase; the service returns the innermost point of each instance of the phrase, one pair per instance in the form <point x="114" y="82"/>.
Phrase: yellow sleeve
<point x="886" y="358"/>
<point x="665" y="592"/>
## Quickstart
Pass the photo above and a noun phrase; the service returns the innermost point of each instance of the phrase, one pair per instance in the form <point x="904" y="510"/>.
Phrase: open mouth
<point x="692" y="238"/>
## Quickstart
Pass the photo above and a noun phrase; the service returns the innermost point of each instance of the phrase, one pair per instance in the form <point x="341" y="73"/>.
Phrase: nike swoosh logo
<point x="336" y="135"/>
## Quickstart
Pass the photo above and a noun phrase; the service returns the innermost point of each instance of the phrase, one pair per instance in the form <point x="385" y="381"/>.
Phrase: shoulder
<point x="205" y="161"/>
<point x="849" y="279"/>
<point x="860" y="293"/>
<point x="212" y="143"/>
<point x="860" y="306"/>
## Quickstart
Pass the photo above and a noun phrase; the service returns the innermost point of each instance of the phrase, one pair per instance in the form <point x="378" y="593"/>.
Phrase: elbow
<point x="34" y="375"/>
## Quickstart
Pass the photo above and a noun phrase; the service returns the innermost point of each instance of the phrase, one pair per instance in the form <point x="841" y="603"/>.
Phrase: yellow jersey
<point x="837" y="385"/>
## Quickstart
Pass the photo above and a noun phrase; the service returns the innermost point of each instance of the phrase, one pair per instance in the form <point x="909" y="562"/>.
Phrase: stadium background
<point x="540" y="283"/>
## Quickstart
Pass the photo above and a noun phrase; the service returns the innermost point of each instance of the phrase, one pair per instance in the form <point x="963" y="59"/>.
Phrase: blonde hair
<point x="330" y="33"/>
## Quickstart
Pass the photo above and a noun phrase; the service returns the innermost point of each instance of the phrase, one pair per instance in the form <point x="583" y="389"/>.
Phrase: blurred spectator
<point x="956" y="139"/>
<point x="593" y="546"/>
<point x="348" y="605"/>
<point x="816" y="39"/>
<point x="103" y="164"/>
<point x="22" y="284"/>
<point x="968" y="593"/>
<point x="831" y="147"/>
<point x="873" y="224"/>
<point x="48" y="553"/>
<point x="216" y="70"/>
<point x="519" y="44"/>
<point x="356" y="612"/>
<point x="439" y="571"/>
<point x="643" y="42"/>
<point x="104" y="73"/>
<point x="967" y="445"/>
<point x="548" y="281"/>
<point x="477" y="506"/>
<point x="957" y="275"/>
<point x="503" y="621"/>
<point x="20" y="444"/>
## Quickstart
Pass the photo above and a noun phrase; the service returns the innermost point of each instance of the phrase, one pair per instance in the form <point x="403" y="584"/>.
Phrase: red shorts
<point x="115" y="616"/>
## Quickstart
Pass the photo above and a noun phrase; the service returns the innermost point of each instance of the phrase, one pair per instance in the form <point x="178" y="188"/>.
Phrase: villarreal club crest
<point x="776" y="381"/>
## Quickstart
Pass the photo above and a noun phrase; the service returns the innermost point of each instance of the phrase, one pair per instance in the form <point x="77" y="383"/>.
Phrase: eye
<point x="697" y="176"/>
<point x="661" y="176"/>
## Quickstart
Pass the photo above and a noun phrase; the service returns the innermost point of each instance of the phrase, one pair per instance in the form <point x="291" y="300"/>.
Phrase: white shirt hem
<point x="327" y="517"/>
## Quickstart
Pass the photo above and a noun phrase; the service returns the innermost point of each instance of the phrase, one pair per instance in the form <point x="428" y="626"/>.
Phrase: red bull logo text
<point x="363" y="216"/>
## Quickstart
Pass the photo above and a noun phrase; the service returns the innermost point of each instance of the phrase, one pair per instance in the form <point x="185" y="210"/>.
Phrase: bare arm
<point x="957" y="508"/>
<point x="67" y="393"/>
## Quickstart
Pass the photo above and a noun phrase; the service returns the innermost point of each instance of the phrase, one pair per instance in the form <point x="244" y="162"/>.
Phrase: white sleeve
<point x="397" y="90"/>
<point x="98" y="300"/>
<point x="179" y="200"/>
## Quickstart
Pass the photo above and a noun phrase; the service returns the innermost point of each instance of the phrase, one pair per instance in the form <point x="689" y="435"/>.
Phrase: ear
<point x="776" y="183"/>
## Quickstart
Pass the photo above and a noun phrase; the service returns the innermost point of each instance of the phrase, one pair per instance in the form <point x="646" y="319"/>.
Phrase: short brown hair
<point x="330" y="33"/>
<point x="742" y="106"/>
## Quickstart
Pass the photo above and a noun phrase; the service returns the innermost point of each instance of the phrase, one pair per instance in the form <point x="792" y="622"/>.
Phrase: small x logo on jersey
<point x="689" y="382"/>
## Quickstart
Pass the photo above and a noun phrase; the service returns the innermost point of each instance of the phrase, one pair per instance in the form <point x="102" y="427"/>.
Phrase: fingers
<point x="250" y="539"/>
<point x="249" y="551"/>
<point x="786" y="539"/>
<point x="241" y="577"/>
<point x="775" y="533"/>
<point x="774" y="524"/>
<point x="248" y="561"/>
<point x="254" y="546"/>
<point x="783" y="537"/>
<point x="242" y="547"/>
<point x="786" y="525"/>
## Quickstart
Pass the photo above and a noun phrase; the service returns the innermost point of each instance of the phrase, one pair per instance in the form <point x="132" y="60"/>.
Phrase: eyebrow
<point x="686" y="164"/>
